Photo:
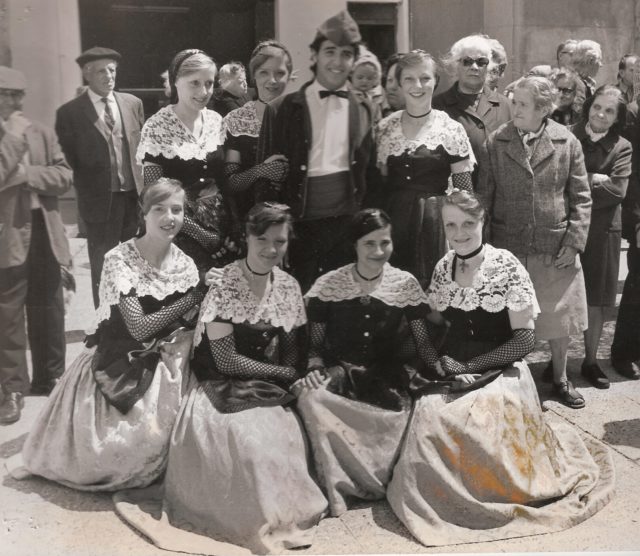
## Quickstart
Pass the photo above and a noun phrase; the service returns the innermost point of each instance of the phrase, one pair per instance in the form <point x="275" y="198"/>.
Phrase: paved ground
<point x="40" y="518"/>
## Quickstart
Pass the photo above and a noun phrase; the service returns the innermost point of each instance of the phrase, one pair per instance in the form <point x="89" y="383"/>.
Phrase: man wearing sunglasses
<point x="470" y="101"/>
<point x="33" y="247"/>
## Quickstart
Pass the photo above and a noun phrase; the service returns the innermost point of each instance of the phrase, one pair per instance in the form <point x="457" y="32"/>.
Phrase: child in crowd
<point x="365" y="82"/>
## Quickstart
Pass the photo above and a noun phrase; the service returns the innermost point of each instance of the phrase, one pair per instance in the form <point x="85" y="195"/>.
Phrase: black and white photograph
<point x="319" y="277"/>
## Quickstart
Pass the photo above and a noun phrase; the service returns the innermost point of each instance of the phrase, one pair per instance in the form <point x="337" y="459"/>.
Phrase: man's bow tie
<point x="342" y="94"/>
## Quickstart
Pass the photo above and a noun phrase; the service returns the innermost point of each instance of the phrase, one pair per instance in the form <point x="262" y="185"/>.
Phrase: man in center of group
<point x="325" y="133"/>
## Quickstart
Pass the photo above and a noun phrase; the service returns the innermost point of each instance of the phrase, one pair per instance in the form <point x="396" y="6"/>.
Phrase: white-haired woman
<point x="534" y="183"/>
<point x="469" y="100"/>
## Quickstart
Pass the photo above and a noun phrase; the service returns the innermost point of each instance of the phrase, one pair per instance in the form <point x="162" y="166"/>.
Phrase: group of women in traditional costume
<point x="261" y="411"/>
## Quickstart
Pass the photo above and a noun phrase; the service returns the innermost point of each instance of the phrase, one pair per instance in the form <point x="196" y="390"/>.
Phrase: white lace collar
<point x="231" y="298"/>
<point x="243" y="120"/>
<point x="125" y="269"/>
<point x="397" y="287"/>
<point x="442" y="130"/>
<point x="500" y="282"/>
<point x="165" y="134"/>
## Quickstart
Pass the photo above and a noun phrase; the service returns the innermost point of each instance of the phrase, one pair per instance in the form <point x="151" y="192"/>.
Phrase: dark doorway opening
<point x="148" y="33"/>
<point x="378" y="24"/>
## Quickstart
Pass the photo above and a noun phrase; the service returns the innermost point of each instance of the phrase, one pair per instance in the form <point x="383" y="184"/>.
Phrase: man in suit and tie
<point x="33" y="246"/>
<point x="99" y="132"/>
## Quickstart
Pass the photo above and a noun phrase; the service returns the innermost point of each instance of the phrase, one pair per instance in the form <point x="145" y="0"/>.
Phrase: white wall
<point x="44" y="42"/>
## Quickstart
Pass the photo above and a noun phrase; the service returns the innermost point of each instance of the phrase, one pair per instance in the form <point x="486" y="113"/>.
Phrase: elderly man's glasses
<point x="481" y="62"/>
<point x="12" y="93"/>
<point x="566" y="90"/>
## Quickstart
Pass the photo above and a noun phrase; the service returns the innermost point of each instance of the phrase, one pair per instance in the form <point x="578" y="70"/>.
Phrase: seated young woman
<point x="354" y="401"/>
<point x="479" y="461"/>
<point x="238" y="470"/>
<point x="107" y="424"/>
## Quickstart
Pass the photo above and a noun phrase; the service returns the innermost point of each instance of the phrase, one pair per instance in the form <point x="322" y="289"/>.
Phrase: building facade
<point x="43" y="37"/>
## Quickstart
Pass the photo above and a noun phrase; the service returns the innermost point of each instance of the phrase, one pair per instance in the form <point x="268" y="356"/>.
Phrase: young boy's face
<point x="365" y="77"/>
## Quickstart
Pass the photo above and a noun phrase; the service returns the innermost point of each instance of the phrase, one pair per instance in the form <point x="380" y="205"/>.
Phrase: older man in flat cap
<point x="325" y="133"/>
<point x="99" y="132"/>
<point x="33" y="246"/>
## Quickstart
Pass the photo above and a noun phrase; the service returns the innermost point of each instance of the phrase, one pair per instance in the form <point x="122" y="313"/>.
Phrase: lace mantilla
<point x="165" y="134"/>
<point x="243" y="120"/>
<point x="231" y="298"/>
<point x="397" y="287"/>
<point x="501" y="281"/>
<point x="443" y="131"/>
<point x="126" y="269"/>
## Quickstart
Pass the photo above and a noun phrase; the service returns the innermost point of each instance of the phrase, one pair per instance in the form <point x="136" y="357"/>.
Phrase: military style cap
<point x="341" y="29"/>
<point x="12" y="79"/>
<point x="97" y="53"/>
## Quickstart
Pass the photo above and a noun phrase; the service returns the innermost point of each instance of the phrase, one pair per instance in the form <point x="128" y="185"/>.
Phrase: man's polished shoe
<point x="593" y="373"/>
<point x="627" y="369"/>
<point x="10" y="408"/>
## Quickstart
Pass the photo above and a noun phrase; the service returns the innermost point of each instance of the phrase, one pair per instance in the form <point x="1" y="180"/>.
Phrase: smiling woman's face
<point x="374" y="249"/>
<point x="195" y="89"/>
<point x="417" y="84"/>
<point x="462" y="230"/>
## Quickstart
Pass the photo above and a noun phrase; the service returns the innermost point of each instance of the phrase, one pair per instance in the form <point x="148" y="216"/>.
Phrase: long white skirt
<point x="240" y="478"/>
<point x="355" y="445"/>
<point x="485" y="465"/>
<point x="83" y="442"/>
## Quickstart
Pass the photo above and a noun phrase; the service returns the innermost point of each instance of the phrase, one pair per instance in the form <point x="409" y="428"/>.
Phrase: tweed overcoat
<point x="535" y="206"/>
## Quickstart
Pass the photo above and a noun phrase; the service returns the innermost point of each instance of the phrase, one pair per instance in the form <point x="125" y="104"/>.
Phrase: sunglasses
<point x="481" y="62"/>
<point x="566" y="90"/>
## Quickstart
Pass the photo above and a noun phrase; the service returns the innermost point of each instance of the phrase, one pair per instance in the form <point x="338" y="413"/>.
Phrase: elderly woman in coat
<point x="534" y="183"/>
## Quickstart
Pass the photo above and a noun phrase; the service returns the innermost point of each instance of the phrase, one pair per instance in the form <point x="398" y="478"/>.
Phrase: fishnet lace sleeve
<point x="520" y="344"/>
<point x="211" y="241"/>
<point x="317" y="332"/>
<point x="289" y="348"/>
<point x="145" y="326"/>
<point x="424" y="344"/>
<point x="462" y="181"/>
<point x="152" y="172"/>
<point x="238" y="181"/>
<point x="229" y="362"/>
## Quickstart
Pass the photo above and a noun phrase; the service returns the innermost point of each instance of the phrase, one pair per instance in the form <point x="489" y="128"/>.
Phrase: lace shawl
<point x="231" y="298"/>
<point x="243" y="120"/>
<point x="165" y="134"/>
<point x="443" y="130"/>
<point x="397" y="287"/>
<point x="501" y="281"/>
<point x="125" y="269"/>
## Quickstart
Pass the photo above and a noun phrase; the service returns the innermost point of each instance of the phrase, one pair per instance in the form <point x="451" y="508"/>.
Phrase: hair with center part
<point x="413" y="59"/>
<point x="184" y="63"/>
<point x="366" y="221"/>
<point x="158" y="191"/>
<point x="266" y="50"/>
<point x="264" y="215"/>
<point x="467" y="202"/>
<point x="542" y="90"/>
<point x="451" y="60"/>
<point x="621" y="105"/>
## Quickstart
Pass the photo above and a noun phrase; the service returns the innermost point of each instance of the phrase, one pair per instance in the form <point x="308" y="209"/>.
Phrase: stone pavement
<point x="38" y="517"/>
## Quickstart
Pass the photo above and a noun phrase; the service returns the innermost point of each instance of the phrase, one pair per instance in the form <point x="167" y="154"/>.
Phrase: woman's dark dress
<point x="418" y="173"/>
<point x="197" y="164"/>
<point x="610" y="156"/>
<point x="482" y="464"/>
<point x="356" y="422"/>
